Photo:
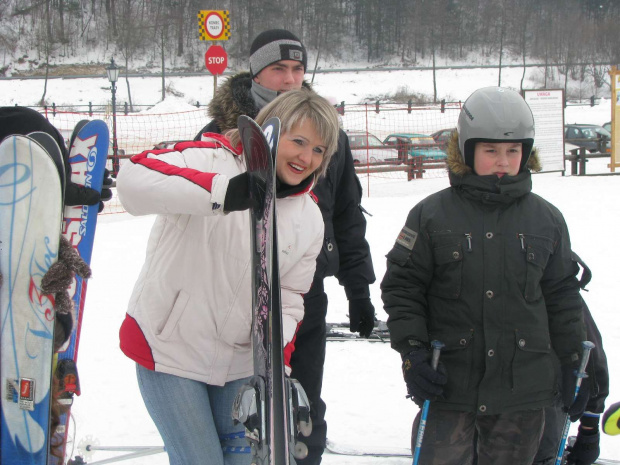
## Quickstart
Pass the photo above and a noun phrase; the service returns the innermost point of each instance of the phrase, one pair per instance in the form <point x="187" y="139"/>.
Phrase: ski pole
<point x="437" y="346"/>
<point x="587" y="347"/>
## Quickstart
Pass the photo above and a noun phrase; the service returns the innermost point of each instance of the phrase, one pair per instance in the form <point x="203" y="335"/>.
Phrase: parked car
<point x="442" y="137"/>
<point x="367" y="148"/>
<point x="607" y="126"/>
<point x="590" y="136"/>
<point x="415" y="145"/>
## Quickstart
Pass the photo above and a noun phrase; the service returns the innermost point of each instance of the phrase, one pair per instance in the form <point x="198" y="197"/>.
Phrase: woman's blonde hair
<point x="295" y="107"/>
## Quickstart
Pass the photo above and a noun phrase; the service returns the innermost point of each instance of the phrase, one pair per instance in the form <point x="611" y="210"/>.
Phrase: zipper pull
<point x="522" y="242"/>
<point x="468" y="237"/>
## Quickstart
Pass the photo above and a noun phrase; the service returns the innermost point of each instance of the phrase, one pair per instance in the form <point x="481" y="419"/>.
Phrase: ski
<point x="30" y="215"/>
<point x="272" y="407"/>
<point x="368" y="451"/>
<point x="338" y="448"/>
<point x="88" y="152"/>
<point x="340" y="332"/>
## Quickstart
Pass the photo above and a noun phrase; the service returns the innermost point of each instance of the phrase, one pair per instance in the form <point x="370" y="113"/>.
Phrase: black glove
<point x="106" y="192"/>
<point x="574" y="407"/>
<point x="81" y="195"/>
<point x="361" y="316"/>
<point x="423" y="383"/>
<point x="586" y="449"/>
<point x="239" y="195"/>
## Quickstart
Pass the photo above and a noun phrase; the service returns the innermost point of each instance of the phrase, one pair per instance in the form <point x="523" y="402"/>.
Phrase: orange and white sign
<point x="214" y="24"/>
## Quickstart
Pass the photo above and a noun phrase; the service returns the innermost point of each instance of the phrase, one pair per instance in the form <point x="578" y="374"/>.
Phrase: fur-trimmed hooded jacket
<point x="345" y="252"/>
<point x="485" y="266"/>
<point x="190" y="312"/>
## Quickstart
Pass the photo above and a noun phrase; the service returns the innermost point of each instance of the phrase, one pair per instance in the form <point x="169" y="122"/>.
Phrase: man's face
<point x="281" y="76"/>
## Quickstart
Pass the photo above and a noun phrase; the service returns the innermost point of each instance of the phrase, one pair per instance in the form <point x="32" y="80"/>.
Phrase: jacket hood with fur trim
<point x="233" y="99"/>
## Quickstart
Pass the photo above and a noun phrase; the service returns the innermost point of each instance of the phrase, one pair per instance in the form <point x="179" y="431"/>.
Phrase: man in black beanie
<point x="278" y="62"/>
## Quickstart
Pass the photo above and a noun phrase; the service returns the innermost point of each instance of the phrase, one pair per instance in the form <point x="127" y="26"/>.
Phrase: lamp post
<point x="112" y="71"/>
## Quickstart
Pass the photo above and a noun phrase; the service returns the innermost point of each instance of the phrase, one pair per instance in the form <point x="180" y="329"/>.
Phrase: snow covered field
<point x="363" y="385"/>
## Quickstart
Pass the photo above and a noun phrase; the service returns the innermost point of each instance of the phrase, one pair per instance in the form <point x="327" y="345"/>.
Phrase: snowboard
<point x="30" y="222"/>
<point x="87" y="156"/>
<point x="272" y="407"/>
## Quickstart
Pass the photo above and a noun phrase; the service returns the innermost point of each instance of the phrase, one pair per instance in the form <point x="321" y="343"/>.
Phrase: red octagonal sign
<point x="216" y="59"/>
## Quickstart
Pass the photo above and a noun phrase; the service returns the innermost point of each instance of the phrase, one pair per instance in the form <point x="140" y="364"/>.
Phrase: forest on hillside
<point x="580" y="35"/>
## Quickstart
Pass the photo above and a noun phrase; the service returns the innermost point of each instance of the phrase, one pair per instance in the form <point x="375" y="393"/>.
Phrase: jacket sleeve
<point x="176" y="181"/>
<point x="598" y="370"/>
<point x="296" y="282"/>
<point x="409" y="271"/>
<point x="355" y="271"/>
<point x="560" y="289"/>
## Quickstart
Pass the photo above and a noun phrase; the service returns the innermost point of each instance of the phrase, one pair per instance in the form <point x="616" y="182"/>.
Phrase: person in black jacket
<point x="278" y="62"/>
<point x="485" y="266"/>
<point x="586" y="448"/>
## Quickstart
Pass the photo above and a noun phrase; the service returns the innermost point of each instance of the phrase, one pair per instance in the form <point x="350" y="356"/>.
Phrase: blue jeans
<point x="191" y="416"/>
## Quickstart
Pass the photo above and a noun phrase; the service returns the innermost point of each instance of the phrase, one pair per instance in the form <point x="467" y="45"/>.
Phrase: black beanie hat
<point x="275" y="45"/>
<point x="23" y="120"/>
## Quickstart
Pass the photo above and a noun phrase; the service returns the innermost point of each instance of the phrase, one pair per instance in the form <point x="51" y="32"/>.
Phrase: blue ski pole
<point x="437" y="346"/>
<point x="587" y="347"/>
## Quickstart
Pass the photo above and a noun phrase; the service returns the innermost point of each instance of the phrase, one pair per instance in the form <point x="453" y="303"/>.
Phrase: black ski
<point x="271" y="407"/>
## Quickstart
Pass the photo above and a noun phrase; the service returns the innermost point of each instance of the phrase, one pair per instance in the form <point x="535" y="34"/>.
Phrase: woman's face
<point x="300" y="153"/>
<point x="498" y="158"/>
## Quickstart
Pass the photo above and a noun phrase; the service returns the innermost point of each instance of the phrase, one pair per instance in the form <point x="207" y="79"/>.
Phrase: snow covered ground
<point x="363" y="385"/>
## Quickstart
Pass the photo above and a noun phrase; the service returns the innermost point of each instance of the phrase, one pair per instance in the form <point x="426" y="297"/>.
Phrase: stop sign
<point x="216" y="59"/>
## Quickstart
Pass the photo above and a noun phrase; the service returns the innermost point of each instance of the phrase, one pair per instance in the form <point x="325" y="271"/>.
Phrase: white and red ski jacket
<point x="190" y="313"/>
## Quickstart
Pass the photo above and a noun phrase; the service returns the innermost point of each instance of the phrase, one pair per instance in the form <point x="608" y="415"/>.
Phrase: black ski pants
<point x="307" y="367"/>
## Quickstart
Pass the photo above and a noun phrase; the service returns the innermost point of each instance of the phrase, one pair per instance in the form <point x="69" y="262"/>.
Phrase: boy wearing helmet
<point x="485" y="267"/>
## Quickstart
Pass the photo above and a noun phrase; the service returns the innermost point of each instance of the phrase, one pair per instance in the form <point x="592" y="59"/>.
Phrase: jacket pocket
<point x="457" y="356"/>
<point x="178" y="308"/>
<point x="532" y="366"/>
<point x="448" y="271"/>
<point x="537" y="250"/>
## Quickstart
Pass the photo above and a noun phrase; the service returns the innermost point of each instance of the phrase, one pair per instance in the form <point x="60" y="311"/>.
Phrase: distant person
<point x="486" y="267"/>
<point x="278" y="63"/>
<point x="188" y="325"/>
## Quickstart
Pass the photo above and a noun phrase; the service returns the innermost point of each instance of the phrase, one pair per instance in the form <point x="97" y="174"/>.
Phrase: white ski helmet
<point x="495" y="114"/>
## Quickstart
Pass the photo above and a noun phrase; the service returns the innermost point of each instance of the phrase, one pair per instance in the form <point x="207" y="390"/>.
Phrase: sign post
<point x="216" y="61"/>
<point x="214" y="25"/>
<point x="614" y="73"/>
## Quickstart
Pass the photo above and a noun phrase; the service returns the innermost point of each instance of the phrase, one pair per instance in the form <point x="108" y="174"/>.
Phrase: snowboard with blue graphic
<point x="30" y="222"/>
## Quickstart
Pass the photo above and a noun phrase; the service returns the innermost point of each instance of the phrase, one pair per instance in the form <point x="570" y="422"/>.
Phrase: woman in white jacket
<point x="189" y="318"/>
